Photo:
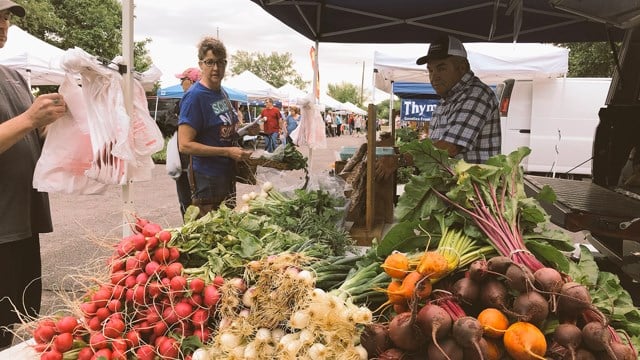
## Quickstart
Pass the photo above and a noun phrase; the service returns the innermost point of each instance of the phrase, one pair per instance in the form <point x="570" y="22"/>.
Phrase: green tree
<point x="590" y="59"/>
<point x="93" y="25"/>
<point x="344" y="92"/>
<point x="382" y="109"/>
<point x="276" y="69"/>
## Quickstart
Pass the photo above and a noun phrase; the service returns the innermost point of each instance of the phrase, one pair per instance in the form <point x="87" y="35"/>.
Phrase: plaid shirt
<point x="468" y="117"/>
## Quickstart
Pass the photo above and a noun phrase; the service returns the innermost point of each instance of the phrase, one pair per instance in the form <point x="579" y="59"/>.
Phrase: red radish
<point x="130" y="281"/>
<point x="139" y="295"/>
<point x="447" y="350"/>
<point x="170" y="316"/>
<point x="160" y="328"/>
<point x="140" y="224"/>
<point x="183" y="310"/>
<point x="145" y="352"/>
<point x="568" y="336"/>
<point x="51" y="355"/>
<point x="143" y="257"/>
<point x="200" y="317"/>
<point x="114" y="328"/>
<point x="142" y="278"/>
<point x="88" y="309"/>
<point x="519" y="278"/>
<point x="178" y="283"/>
<point x="139" y="242"/>
<point x="203" y="334"/>
<point x="405" y="333"/>
<point x="132" y="265"/>
<point x="103" y="313"/>
<point x="548" y="280"/>
<point x="98" y="341"/>
<point x="151" y="229"/>
<point x="118" y="292"/>
<point x="196" y="285"/>
<point x="164" y="236"/>
<point x="375" y="339"/>
<point x="67" y="324"/>
<point x="152" y="268"/>
<point x="155" y="289"/>
<point x="43" y="334"/>
<point x="169" y="348"/>
<point x="174" y="254"/>
<point x="467" y="331"/>
<point x="101" y="296"/>
<point x="85" y="353"/>
<point x="531" y="307"/>
<point x="63" y="342"/>
<point x="114" y="305"/>
<point x="94" y="323"/>
<point x="104" y="353"/>
<point x="162" y="255"/>
<point x="174" y="269"/>
<point x="119" y="344"/>
<point x="152" y="243"/>
<point x="211" y="296"/>
<point x="218" y="281"/>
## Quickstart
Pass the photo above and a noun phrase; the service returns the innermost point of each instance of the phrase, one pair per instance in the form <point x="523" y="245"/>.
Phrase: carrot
<point x="396" y="265"/>
<point x="524" y="341"/>
<point x="494" y="322"/>
<point x="393" y="293"/>
<point x="409" y="285"/>
<point x="433" y="264"/>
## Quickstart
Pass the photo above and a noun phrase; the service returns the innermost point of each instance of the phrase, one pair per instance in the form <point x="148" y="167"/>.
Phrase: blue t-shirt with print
<point x="210" y="114"/>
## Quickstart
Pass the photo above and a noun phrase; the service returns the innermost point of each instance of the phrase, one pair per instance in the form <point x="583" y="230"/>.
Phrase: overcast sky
<point x="176" y="27"/>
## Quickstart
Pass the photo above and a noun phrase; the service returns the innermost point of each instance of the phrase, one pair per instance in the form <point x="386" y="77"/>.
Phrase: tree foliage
<point x="344" y="92"/>
<point x="382" y="109"/>
<point x="593" y="59"/>
<point x="276" y="69"/>
<point x="93" y="25"/>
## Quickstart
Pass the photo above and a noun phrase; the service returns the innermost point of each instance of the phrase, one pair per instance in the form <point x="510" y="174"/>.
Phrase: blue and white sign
<point x="417" y="109"/>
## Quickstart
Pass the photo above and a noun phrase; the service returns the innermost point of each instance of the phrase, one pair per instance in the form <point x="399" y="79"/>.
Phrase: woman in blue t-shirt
<point x="292" y="122"/>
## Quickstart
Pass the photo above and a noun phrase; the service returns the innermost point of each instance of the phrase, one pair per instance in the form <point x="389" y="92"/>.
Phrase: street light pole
<point x="362" y="86"/>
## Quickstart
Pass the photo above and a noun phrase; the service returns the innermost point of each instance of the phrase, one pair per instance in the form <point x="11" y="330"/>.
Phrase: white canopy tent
<point x="291" y="94"/>
<point x="353" y="108"/>
<point x="491" y="62"/>
<point x="253" y="86"/>
<point x="37" y="60"/>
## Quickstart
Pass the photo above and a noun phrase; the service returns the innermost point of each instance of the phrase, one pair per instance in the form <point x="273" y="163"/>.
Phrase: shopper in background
<point x="292" y="122"/>
<point x="273" y="124"/>
<point x="187" y="78"/>
<point x="207" y="131"/>
<point x="466" y="123"/>
<point x="24" y="212"/>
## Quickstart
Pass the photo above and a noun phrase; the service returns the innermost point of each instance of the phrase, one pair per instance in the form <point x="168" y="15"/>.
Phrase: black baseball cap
<point x="442" y="48"/>
<point x="13" y="7"/>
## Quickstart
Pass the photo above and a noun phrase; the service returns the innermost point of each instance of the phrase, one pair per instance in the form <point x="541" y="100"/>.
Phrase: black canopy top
<point x="421" y="21"/>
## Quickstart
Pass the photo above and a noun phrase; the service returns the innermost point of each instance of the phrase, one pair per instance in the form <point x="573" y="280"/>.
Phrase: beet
<point x="405" y="333"/>
<point x="375" y="339"/>
<point x="392" y="354"/>
<point x="621" y="351"/>
<point x="519" y="278"/>
<point x="568" y="336"/>
<point x="494" y="294"/>
<point x="448" y="350"/>
<point x="531" y="307"/>
<point x="467" y="331"/>
<point x="498" y="264"/>
<point x="573" y="299"/>
<point x="478" y="270"/>
<point x="466" y="290"/>
<point x="596" y="336"/>
<point x="548" y="279"/>
<point x="434" y="321"/>
<point x="581" y="354"/>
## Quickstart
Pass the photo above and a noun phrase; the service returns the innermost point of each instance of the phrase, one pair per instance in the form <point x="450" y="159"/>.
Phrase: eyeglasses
<point x="211" y="62"/>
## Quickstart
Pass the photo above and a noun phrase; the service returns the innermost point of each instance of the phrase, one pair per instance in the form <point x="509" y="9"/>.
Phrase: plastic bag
<point x="173" y="165"/>
<point x="67" y="151"/>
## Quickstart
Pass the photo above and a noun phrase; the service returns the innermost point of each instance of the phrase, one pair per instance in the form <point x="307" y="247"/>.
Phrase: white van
<point x="556" y="118"/>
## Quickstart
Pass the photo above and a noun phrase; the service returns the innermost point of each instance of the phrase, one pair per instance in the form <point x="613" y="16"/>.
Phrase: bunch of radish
<point x="495" y="309"/>
<point x="146" y="309"/>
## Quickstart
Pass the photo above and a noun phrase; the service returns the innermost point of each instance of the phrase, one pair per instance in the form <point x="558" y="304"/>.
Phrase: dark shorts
<point x="214" y="190"/>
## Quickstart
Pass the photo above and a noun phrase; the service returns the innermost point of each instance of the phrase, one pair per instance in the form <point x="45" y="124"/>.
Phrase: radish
<point x="467" y="331"/>
<point x="196" y="285"/>
<point x="67" y="324"/>
<point x="145" y="352"/>
<point x="44" y="333"/>
<point x="531" y="307"/>
<point x="211" y="296"/>
<point x="85" y="353"/>
<point x="63" y="342"/>
<point x="51" y="355"/>
<point x="164" y="236"/>
<point x="98" y="341"/>
<point x="434" y="321"/>
<point x="405" y="333"/>
<point x="151" y="229"/>
<point x="568" y="336"/>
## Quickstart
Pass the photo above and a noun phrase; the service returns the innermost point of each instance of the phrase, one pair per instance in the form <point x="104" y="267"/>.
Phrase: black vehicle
<point x="163" y="111"/>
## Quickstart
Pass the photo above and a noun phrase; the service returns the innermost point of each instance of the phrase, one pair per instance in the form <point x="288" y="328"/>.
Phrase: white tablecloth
<point x="21" y="351"/>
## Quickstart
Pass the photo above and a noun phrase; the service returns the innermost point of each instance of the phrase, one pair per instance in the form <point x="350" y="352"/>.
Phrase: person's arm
<point x="188" y="145"/>
<point x="45" y="109"/>
<point x="451" y="149"/>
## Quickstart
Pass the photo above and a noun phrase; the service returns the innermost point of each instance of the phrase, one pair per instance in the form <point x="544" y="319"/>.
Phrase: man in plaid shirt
<point x="466" y="123"/>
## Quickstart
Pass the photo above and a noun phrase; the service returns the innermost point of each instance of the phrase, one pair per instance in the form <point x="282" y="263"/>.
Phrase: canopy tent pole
<point x="392" y="120"/>
<point x="127" y="54"/>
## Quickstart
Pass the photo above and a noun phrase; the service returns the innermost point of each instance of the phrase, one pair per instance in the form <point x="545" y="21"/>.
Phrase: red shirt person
<point x="272" y="124"/>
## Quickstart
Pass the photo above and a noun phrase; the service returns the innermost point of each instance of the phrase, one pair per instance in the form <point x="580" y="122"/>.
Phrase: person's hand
<point x="238" y="154"/>
<point x="46" y="109"/>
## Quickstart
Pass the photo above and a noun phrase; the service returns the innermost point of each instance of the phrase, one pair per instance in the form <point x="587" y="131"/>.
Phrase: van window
<point x="165" y="116"/>
<point x="505" y="96"/>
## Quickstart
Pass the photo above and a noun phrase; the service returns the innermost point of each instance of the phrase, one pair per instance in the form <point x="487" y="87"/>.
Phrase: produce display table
<point x="21" y="351"/>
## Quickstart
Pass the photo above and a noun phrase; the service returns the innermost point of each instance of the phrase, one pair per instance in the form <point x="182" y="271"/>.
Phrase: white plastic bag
<point x="67" y="151"/>
<point x="173" y="165"/>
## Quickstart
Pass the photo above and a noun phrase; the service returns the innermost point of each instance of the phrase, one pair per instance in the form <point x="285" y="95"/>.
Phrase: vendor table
<point x="21" y="351"/>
